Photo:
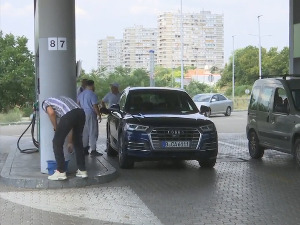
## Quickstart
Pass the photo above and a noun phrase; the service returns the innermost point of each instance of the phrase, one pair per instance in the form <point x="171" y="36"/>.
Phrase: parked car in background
<point x="215" y="103"/>
<point x="159" y="123"/>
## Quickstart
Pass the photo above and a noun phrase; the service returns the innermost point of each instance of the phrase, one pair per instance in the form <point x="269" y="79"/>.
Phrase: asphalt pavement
<point x="239" y="190"/>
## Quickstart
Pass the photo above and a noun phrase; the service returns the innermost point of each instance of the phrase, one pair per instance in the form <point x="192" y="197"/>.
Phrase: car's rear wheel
<point x="255" y="150"/>
<point x="124" y="161"/>
<point x="110" y="150"/>
<point x="207" y="113"/>
<point x="297" y="151"/>
<point x="207" y="163"/>
<point x="228" y="111"/>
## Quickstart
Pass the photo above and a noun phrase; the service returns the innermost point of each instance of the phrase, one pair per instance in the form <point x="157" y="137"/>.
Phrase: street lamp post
<point x="233" y="67"/>
<point x="181" y="38"/>
<point x="259" y="47"/>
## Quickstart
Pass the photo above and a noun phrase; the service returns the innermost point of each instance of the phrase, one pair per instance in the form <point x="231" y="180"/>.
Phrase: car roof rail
<point x="283" y="76"/>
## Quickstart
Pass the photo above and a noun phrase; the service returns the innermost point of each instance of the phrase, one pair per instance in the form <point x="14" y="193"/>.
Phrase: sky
<point x="97" y="19"/>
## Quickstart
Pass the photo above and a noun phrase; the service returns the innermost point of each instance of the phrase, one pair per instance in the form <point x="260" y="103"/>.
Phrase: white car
<point x="214" y="104"/>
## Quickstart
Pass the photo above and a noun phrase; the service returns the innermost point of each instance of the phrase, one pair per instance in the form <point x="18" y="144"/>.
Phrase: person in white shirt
<point x="112" y="97"/>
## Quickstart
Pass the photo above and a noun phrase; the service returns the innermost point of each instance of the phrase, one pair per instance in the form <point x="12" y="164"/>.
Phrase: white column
<point x="56" y="59"/>
<point x="294" y="44"/>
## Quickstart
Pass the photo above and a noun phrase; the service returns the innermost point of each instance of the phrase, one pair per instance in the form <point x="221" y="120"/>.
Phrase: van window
<point x="281" y="103"/>
<point x="265" y="99"/>
<point x="254" y="98"/>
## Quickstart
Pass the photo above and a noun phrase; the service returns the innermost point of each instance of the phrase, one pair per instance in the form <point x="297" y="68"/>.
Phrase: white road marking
<point x="230" y="145"/>
<point x="113" y="204"/>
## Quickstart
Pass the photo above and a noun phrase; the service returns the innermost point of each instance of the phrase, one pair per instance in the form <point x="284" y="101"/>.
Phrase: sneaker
<point x="86" y="150"/>
<point x="82" y="174"/>
<point x="95" y="153"/>
<point x="58" y="176"/>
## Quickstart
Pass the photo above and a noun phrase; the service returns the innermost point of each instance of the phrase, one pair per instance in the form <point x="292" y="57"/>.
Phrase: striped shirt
<point x="61" y="105"/>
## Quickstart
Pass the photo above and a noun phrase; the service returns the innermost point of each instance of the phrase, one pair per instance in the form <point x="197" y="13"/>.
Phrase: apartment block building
<point x="138" y="42"/>
<point x="110" y="53"/>
<point x="203" y="39"/>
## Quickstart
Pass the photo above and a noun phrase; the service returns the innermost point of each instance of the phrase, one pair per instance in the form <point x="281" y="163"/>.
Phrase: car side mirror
<point x="114" y="108"/>
<point x="204" y="109"/>
<point x="213" y="100"/>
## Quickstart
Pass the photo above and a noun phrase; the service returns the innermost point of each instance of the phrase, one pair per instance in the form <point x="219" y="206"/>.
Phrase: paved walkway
<point x="23" y="170"/>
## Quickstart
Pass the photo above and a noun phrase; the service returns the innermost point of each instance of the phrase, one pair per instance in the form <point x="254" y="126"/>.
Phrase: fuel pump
<point x="32" y="125"/>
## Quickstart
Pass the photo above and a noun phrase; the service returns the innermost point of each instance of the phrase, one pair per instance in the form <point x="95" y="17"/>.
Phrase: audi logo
<point x="175" y="133"/>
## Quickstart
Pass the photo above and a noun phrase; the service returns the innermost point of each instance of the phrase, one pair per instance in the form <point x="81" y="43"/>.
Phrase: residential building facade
<point x="110" y="53"/>
<point x="203" y="39"/>
<point x="138" y="42"/>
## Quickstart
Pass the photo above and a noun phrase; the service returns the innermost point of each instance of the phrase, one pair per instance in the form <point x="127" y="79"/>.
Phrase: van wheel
<point x="228" y="111"/>
<point x="297" y="151"/>
<point x="255" y="151"/>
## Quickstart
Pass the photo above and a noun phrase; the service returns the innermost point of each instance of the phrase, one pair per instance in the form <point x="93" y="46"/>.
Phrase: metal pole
<point x="233" y="68"/>
<point x="259" y="47"/>
<point x="181" y="37"/>
<point x="152" y="84"/>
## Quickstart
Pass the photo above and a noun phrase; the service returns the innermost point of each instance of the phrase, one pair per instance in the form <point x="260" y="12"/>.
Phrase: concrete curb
<point x="42" y="182"/>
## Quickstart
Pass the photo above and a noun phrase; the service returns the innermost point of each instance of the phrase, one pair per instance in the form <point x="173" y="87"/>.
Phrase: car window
<point x="265" y="99"/>
<point x="215" y="98"/>
<point x="221" y="98"/>
<point x="281" y="103"/>
<point x="254" y="98"/>
<point x="202" y="98"/>
<point x="160" y="101"/>
<point x="122" y="101"/>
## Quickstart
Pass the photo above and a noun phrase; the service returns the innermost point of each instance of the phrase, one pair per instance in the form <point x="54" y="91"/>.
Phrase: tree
<point x="123" y="76"/>
<point x="16" y="72"/>
<point x="276" y="63"/>
<point x="246" y="65"/>
<point x="196" y="87"/>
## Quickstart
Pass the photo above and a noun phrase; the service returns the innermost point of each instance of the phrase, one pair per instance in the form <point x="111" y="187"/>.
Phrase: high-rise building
<point x="138" y="41"/>
<point x="110" y="53"/>
<point x="203" y="39"/>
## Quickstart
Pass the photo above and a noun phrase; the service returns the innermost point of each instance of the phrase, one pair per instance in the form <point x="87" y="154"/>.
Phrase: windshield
<point x="202" y="98"/>
<point x="160" y="102"/>
<point x="296" y="98"/>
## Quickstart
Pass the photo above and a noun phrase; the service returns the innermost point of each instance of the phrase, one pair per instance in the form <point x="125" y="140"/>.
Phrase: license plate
<point x="175" y="144"/>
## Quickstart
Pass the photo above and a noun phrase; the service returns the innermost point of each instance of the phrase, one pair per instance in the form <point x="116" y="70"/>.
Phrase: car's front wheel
<point x="297" y="151"/>
<point x="110" y="150"/>
<point x="124" y="161"/>
<point x="228" y="111"/>
<point x="255" y="150"/>
<point x="207" y="163"/>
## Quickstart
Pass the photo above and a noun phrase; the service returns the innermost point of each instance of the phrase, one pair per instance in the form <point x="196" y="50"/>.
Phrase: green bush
<point x="238" y="90"/>
<point x="27" y="111"/>
<point x="13" y="115"/>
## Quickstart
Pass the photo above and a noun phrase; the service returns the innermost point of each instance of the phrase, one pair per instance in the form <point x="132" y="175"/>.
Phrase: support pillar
<point x="55" y="62"/>
<point x="294" y="37"/>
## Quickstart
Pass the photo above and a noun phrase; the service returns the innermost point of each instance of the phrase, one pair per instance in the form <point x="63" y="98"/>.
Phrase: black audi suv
<point x="159" y="123"/>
